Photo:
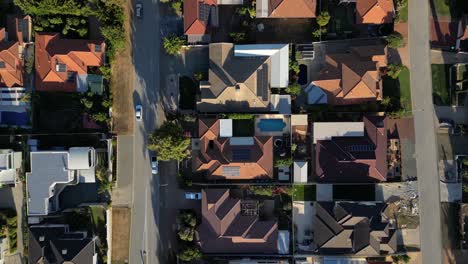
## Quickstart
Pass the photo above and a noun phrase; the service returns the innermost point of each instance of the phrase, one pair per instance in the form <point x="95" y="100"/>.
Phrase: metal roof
<point x="327" y="130"/>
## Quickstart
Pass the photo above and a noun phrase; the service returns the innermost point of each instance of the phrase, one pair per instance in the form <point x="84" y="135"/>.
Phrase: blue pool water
<point x="14" y="118"/>
<point x="271" y="125"/>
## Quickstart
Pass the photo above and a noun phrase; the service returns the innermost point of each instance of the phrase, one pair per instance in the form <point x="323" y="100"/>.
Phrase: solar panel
<point x="231" y="171"/>
<point x="204" y="12"/>
<point x="2" y="64"/>
<point x="360" y="148"/>
<point x="240" y="154"/>
<point x="249" y="208"/>
<point x="262" y="82"/>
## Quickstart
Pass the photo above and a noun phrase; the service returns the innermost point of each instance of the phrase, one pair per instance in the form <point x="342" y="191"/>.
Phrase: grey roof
<point x="55" y="244"/>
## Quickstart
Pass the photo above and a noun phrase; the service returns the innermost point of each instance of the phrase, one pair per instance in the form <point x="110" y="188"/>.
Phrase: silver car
<point x="192" y="196"/>
<point x="154" y="165"/>
<point x="138" y="112"/>
<point x="139" y="10"/>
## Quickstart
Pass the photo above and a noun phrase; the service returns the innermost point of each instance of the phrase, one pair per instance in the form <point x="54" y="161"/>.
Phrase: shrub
<point x="294" y="89"/>
<point x="241" y="116"/>
<point x="189" y="254"/>
<point x="186" y="233"/>
<point x="294" y="66"/>
<point x="284" y="162"/>
<point x="238" y="37"/>
<point x="394" y="70"/>
<point x="395" y="40"/>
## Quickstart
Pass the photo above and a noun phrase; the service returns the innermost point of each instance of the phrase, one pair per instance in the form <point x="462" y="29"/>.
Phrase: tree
<point x="395" y="40"/>
<point x="294" y="66"/>
<point x="87" y="103"/>
<point x="198" y="76"/>
<point x="323" y="18"/>
<point x="169" y="142"/>
<point x="173" y="44"/>
<point x="189" y="254"/>
<point x="465" y="161"/>
<point x="244" y="10"/>
<point x="386" y="101"/>
<point x="187" y="218"/>
<point x="293" y="89"/>
<point x="394" y="70"/>
<point x="186" y="233"/>
<point x="100" y="117"/>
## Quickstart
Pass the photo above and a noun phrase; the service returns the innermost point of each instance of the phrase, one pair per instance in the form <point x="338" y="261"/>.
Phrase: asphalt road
<point x="145" y="241"/>
<point x="424" y="120"/>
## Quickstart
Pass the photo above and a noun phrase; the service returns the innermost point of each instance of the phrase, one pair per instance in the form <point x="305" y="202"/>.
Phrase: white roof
<point x="225" y="127"/>
<point x="78" y="159"/>
<point x="327" y="130"/>
<point x="279" y="54"/>
<point x="300" y="171"/>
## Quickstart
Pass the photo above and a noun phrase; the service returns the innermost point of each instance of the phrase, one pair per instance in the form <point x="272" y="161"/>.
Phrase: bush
<point x="395" y="40"/>
<point x="169" y="142"/>
<point x="29" y="60"/>
<point x="285" y="162"/>
<point x="173" y="45"/>
<point x="238" y="37"/>
<point x="294" y="66"/>
<point x="186" y="234"/>
<point x="394" y="70"/>
<point x="241" y="116"/>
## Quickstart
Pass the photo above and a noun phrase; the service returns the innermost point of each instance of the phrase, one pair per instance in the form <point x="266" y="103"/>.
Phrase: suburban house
<point x="350" y="78"/>
<point x="349" y="152"/>
<point x="200" y="16"/>
<point x="285" y="8"/>
<point x="358" y="228"/>
<point x="55" y="243"/>
<point x="68" y="65"/>
<point x="241" y="76"/>
<point x="10" y="163"/>
<point x="374" y="11"/>
<point x="51" y="172"/>
<point x="218" y="155"/>
<point x="11" y="61"/>
<point x="231" y="225"/>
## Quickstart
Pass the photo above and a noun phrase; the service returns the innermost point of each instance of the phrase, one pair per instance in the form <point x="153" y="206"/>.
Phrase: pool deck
<point x="286" y="130"/>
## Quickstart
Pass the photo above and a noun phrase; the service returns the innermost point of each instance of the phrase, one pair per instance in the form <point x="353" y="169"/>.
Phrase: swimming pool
<point x="271" y="125"/>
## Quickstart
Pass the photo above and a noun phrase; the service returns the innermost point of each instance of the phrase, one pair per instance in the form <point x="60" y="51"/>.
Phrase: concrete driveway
<point x="303" y="212"/>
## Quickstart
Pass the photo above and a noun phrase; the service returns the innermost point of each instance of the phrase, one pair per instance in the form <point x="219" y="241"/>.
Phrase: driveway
<point x="303" y="212"/>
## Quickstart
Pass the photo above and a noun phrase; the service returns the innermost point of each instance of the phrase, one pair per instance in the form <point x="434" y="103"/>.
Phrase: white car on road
<point x="138" y="112"/>
<point x="192" y="196"/>
<point x="154" y="165"/>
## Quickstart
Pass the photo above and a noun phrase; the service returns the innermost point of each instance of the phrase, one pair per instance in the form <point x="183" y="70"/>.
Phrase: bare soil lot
<point x="120" y="235"/>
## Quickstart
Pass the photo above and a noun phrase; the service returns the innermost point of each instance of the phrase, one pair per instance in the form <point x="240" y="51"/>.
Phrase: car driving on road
<point x="154" y="165"/>
<point x="139" y="10"/>
<point x="138" y="112"/>
<point x="192" y="196"/>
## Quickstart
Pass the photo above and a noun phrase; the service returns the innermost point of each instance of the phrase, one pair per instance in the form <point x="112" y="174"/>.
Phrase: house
<point x="57" y="244"/>
<point x="66" y="65"/>
<point x="352" y="228"/>
<point x="351" y="78"/>
<point x="218" y="155"/>
<point x="374" y="11"/>
<point x="11" y="62"/>
<point x="240" y="77"/>
<point x="52" y="171"/>
<point x="200" y="16"/>
<point x="354" y="156"/>
<point x="10" y="164"/>
<point x="285" y="8"/>
<point x="232" y="226"/>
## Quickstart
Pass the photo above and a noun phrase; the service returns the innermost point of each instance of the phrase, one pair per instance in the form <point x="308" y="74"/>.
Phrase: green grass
<point x="442" y="7"/>
<point x="402" y="14"/>
<point x="440" y="85"/>
<point x="304" y="192"/>
<point x="405" y="89"/>
<point x="98" y="215"/>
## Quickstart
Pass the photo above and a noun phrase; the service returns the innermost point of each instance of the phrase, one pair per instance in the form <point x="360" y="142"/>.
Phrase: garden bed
<point x="304" y="193"/>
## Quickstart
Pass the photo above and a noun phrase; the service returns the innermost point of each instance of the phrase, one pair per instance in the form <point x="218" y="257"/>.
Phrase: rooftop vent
<point x="41" y="239"/>
<point x="60" y="67"/>
<point x="64" y="251"/>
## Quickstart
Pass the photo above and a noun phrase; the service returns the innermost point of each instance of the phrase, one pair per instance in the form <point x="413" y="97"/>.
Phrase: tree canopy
<point x="189" y="254"/>
<point x="169" y="142"/>
<point x="323" y="18"/>
<point x="173" y="44"/>
<point x="395" y="40"/>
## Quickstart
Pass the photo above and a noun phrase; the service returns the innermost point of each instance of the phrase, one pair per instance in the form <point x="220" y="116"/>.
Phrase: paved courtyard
<point x="303" y="212"/>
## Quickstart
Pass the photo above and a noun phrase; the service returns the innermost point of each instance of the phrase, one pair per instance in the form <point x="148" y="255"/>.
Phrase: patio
<point x="303" y="215"/>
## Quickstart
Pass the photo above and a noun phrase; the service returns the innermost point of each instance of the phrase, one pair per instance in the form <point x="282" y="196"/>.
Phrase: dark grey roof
<point x="58" y="245"/>
<point x="74" y="195"/>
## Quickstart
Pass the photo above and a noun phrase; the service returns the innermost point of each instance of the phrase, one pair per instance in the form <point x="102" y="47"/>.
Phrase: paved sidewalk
<point x="122" y="192"/>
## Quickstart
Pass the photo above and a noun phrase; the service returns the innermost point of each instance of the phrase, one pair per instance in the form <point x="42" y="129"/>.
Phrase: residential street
<point x="424" y="118"/>
<point x="144" y="241"/>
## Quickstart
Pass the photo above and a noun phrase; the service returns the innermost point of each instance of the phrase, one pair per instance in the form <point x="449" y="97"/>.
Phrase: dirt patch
<point x="120" y="234"/>
<point x="122" y="84"/>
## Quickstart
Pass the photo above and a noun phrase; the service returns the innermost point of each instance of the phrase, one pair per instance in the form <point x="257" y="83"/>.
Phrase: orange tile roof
<point x="76" y="54"/>
<point x="374" y="11"/>
<point x="216" y="153"/>
<point x="11" y="74"/>
<point x="351" y="78"/>
<point x="292" y="8"/>
<point x="192" y="24"/>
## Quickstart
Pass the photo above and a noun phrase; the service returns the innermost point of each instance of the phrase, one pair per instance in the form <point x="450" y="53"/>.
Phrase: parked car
<point x="138" y="112"/>
<point x="192" y="196"/>
<point x="154" y="165"/>
<point x="139" y="10"/>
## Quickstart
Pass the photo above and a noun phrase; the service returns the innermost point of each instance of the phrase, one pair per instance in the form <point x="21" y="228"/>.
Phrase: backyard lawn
<point x="405" y="89"/>
<point x="440" y="84"/>
<point x="304" y="193"/>
<point x="399" y="90"/>
<point x="442" y="7"/>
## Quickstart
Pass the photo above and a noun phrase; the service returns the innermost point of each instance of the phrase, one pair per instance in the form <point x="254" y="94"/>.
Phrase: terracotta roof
<point x="193" y="23"/>
<point x="374" y="11"/>
<point x="231" y="231"/>
<point x="217" y="155"/>
<point x="354" y="77"/>
<point x="292" y="8"/>
<point x="354" y="159"/>
<point x="11" y="68"/>
<point x="443" y="33"/>
<point x="76" y="54"/>
<point x="18" y="28"/>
